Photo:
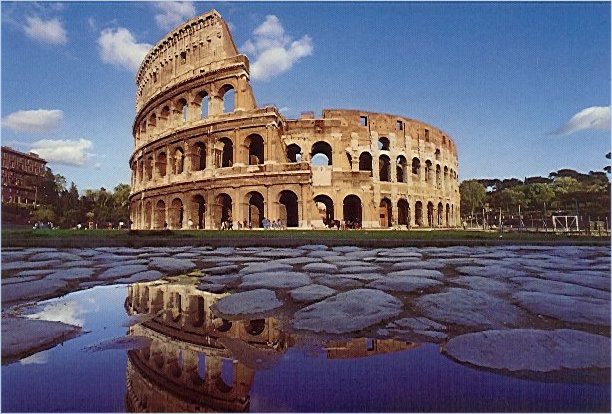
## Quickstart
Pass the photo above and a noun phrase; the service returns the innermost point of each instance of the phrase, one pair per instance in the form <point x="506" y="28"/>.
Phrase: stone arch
<point x="384" y="168"/>
<point x="294" y="153"/>
<point x="365" y="162"/>
<point x="430" y="214"/>
<point x="416" y="167"/>
<point x="438" y="176"/>
<point x="255" y="327"/>
<point x="385" y="209"/>
<point x="162" y="159"/>
<point x="447" y="215"/>
<point x="199" y="210"/>
<point x="352" y="210"/>
<point x="384" y="144"/>
<point x="152" y="124"/>
<point x="327" y="212"/>
<point x="255" y="213"/>
<point x="418" y="213"/>
<point x="226" y="158"/>
<point x="400" y="167"/>
<point x="288" y="208"/>
<point x="227" y="93"/>
<point x="182" y="111"/>
<point x="323" y="148"/>
<point x="178" y="165"/>
<point x="164" y="116"/>
<point x="437" y="154"/>
<point x="176" y="213"/>
<point x="160" y="214"/>
<point x="223" y="209"/>
<point x="440" y="214"/>
<point x="403" y="212"/>
<point x="255" y="145"/>
<point x="148" y="212"/>
<point x="202" y="101"/>
<point x="428" y="170"/>
<point x="446" y="176"/>
<point x="149" y="167"/>
<point x="199" y="156"/>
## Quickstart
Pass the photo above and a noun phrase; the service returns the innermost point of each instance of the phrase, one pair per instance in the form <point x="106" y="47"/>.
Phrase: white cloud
<point x="274" y="51"/>
<point x="38" y="120"/>
<point x="118" y="47"/>
<point x="49" y="31"/>
<point x="592" y="118"/>
<point x="172" y="13"/>
<point x="63" y="151"/>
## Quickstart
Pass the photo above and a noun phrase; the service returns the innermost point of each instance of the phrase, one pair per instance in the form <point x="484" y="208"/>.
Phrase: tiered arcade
<point x="204" y="152"/>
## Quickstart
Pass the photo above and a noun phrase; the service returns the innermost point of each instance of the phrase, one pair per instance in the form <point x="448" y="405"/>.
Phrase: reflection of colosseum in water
<point x="188" y="366"/>
<point x="205" y="152"/>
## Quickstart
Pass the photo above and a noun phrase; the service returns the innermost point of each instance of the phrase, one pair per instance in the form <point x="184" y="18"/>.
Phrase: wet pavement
<point x="509" y="328"/>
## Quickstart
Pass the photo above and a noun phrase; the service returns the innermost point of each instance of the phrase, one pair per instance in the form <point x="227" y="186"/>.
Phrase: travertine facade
<point x="204" y="152"/>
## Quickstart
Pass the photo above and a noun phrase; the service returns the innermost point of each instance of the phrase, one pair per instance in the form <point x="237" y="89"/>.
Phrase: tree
<point x="472" y="195"/>
<point x="538" y="195"/>
<point x="43" y="213"/>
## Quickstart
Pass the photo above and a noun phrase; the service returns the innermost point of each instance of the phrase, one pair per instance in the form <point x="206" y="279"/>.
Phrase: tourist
<point x="190" y="224"/>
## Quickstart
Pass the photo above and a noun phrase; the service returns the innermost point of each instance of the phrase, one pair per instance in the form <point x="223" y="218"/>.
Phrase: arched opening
<point x="403" y="212"/>
<point x="349" y="158"/>
<point x="383" y="144"/>
<point x="147" y="215"/>
<point x="199" y="208"/>
<point x="160" y="215"/>
<point x="428" y="171"/>
<point x="255" y="327"/>
<point x="384" y="168"/>
<point x="227" y="153"/>
<point x="440" y="212"/>
<point x="385" y="213"/>
<point x="437" y="154"/>
<point x="203" y="100"/>
<point x="418" y="214"/>
<point x="161" y="164"/>
<point x="438" y="176"/>
<point x="179" y="161"/>
<point x="294" y="153"/>
<point x="351" y="210"/>
<point x="400" y="169"/>
<point x="228" y="94"/>
<point x="430" y="214"/>
<point x="176" y="214"/>
<point x="445" y="176"/>
<point x="288" y="208"/>
<point x="325" y="206"/>
<point x="255" y="213"/>
<point x="152" y="122"/>
<point x="365" y="162"/>
<point x="181" y="110"/>
<point x="447" y="215"/>
<point x="149" y="167"/>
<point x="164" y="117"/>
<point x="255" y="144"/>
<point x="199" y="156"/>
<point x="223" y="209"/>
<point x="321" y="153"/>
<point x="416" y="167"/>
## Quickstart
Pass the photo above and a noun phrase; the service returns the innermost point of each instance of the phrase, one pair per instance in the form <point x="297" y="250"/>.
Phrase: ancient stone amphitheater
<point x="204" y="152"/>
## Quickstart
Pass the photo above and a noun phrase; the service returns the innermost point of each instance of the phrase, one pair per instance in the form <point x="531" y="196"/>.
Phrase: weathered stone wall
<point x="204" y="152"/>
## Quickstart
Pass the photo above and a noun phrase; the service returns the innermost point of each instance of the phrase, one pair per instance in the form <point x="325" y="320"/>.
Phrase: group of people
<point x="248" y="225"/>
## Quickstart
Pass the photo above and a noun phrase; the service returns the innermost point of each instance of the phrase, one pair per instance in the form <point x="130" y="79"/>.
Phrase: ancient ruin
<point x="205" y="154"/>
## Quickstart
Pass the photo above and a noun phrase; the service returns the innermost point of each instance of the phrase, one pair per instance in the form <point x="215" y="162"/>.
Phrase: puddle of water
<point x="196" y="362"/>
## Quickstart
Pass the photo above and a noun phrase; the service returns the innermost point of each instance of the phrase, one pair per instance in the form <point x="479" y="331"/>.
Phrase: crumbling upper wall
<point x="200" y="45"/>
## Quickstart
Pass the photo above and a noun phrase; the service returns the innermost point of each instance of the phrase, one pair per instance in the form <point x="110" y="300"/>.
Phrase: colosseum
<point x="206" y="154"/>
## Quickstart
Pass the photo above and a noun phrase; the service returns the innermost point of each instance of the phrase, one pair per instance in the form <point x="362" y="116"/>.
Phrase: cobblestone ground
<point x="526" y="302"/>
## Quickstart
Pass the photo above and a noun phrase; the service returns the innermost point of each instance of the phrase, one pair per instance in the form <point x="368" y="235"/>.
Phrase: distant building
<point x="22" y="175"/>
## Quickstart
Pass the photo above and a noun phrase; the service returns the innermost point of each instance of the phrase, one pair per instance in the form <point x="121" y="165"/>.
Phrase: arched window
<point x="437" y="154"/>
<point x="288" y="208"/>
<point x="255" y="144"/>
<point x="161" y="164"/>
<point x="438" y="176"/>
<point x="385" y="213"/>
<point x="152" y="121"/>
<point x="164" y="117"/>
<point x="352" y="210"/>
<point x="384" y="168"/>
<point x="403" y="212"/>
<point x="149" y="167"/>
<point x="160" y="214"/>
<point x="325" y="206"/>
<point x="294" y="153"/>
<point x="223" y="209"/>
<point x="430" y="214"/>
<point x="181" y="107"/>
<point x="400" y="166"/>
<point x="199" y="161"/>
<point x="383" y="144"/>
<point x="418" y="213"/>
<point x="228" y="95"/>
<point x="255" y="213"/>
<point x="203" y="99"/>
<point x="321" y="153"/>
<point x="445" y="176"/>
<point x="179" y="161"/>
<point x="416" y="166"/>
<point x="428" y="171"/>
<point x="227" y="154"/>
<point x="365" y="162"/>
<point x="198" y="210"/>
<point x="176" y="214"/>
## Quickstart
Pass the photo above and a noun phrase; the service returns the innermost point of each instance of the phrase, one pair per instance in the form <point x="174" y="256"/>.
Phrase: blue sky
<point x="524" y="88"/>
